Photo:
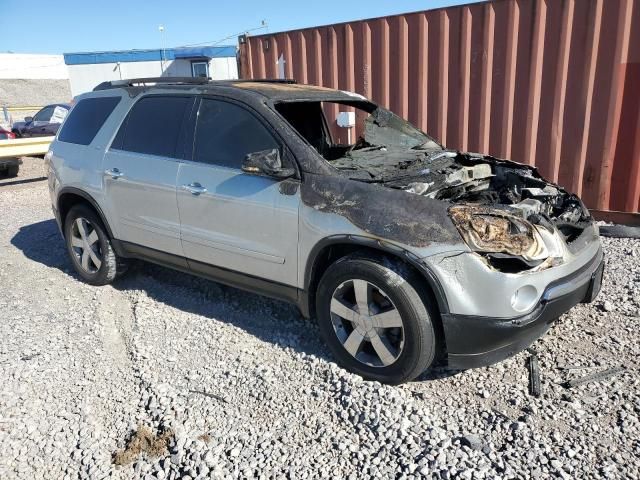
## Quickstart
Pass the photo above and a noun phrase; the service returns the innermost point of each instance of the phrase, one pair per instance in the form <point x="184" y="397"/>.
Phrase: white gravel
<point x="249" y="391"/>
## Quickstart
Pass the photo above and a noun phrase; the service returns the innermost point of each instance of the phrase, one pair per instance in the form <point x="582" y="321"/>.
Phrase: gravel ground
<point x="236" y="385"/>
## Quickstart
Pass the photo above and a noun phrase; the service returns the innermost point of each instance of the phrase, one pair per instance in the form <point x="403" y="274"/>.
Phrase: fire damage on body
<point x="397" y="182"/>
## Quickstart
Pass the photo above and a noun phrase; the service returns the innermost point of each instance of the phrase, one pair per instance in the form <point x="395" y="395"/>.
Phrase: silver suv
<point x="405" y="252"/>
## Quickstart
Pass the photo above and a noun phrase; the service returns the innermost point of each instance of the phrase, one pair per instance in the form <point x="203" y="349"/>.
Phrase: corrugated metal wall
<point x="552" y="83"/>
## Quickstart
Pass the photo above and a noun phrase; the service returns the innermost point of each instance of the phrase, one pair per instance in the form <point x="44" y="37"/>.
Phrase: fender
<point x="88" y="198"/>
<point x="381" y="246"/>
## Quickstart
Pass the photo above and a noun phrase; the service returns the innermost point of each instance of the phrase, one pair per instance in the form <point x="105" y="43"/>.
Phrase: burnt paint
<point x="288" y="187"/>
<point x="380" y="211"/>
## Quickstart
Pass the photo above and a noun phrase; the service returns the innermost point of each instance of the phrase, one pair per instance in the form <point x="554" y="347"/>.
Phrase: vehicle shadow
<point x="269" y="320"/>
<point x="42" y="243"/>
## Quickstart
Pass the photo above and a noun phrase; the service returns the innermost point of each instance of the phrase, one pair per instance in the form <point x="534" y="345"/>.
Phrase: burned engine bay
<point x="504" y="211"/>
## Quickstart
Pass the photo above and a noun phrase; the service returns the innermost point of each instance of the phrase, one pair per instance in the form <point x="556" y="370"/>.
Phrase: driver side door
<point x="39" y="126"/>
<point x="230" y="219"/>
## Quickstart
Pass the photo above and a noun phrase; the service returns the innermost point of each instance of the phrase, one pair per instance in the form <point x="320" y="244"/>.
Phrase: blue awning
<point x="206" y="52"/>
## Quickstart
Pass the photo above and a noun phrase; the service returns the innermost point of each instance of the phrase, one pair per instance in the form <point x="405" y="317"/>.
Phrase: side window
<point x="86" y="118"/>
<point x="153" y="126"/>
<point x="226" y="133"/>
<point x="44" y="115"/>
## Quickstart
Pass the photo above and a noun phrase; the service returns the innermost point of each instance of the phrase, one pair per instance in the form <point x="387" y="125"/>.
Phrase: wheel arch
<point x="70" y="196"/>
<point x="330" y="249"/>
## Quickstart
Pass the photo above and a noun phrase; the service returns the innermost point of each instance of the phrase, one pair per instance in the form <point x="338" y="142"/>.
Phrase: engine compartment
<point x="477" y="179"/>
<point x="468" y="178"/>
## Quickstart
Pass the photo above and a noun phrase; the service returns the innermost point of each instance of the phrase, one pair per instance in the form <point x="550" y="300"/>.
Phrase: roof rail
<point x="130" y="82"/>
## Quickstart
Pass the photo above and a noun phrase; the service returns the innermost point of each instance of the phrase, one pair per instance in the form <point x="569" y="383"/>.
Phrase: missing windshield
<point x="353" y="147"/>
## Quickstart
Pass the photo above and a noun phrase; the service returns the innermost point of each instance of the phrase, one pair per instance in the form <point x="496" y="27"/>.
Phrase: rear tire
<point x="89" y="246"/>
<point x="12" y="171"/>
<point x="389" y="337"/>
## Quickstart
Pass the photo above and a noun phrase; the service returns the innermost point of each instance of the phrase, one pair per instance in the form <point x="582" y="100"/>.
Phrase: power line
<point x="216" y="42"/>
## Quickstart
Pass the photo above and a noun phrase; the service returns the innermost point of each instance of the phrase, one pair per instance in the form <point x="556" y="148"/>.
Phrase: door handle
<point x="195" y="188"/>
<point x="114" y="173"/>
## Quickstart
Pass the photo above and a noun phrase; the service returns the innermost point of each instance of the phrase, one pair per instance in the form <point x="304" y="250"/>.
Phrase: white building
<point x="88" y="69"/>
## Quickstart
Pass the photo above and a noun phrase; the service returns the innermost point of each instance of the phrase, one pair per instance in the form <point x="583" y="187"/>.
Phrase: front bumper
<point x="474" y="341"/>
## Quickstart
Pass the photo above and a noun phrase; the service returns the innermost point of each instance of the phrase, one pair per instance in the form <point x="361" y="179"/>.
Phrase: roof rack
<point x="130" y="82"/>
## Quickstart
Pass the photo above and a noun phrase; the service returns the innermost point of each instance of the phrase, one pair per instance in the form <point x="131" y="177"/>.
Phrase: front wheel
<point x="373" y="319"/>
<point x="89" y="246"/>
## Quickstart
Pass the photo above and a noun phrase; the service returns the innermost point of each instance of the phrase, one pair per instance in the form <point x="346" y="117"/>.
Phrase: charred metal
<point x="396" y="181"/>
<point x="381" y="211"/>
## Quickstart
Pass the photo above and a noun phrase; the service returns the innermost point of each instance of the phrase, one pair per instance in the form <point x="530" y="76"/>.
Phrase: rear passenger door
<point x="140" y="170"/>
<point x="229" y="218"/>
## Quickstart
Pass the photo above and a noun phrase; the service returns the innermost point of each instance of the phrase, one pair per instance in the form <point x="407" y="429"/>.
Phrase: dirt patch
<point x="143" y="441"/>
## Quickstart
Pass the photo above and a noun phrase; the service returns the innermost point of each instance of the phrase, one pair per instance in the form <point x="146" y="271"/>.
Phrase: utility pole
<point x="161" y="30"/>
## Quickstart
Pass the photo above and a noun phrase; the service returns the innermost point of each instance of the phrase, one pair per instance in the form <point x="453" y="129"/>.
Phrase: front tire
<point x="374" y="320"/>
<point x="89" y="246"/>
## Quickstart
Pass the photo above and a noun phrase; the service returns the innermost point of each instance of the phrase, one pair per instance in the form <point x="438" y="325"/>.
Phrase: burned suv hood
<point x="501" y="208"/>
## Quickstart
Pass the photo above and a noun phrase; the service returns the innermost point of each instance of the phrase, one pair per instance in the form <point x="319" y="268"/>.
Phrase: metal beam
<point x="23" y="147"/>
<point x="622" y="218"/>
<point x="24" y="109"/>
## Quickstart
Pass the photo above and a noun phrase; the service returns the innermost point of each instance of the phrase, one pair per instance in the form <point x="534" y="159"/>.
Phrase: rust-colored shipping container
<point x="551" y="83"/>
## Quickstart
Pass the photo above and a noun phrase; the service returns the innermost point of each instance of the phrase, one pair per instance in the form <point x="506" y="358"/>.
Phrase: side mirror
<point x="268" y="163"/>
<point x="28" y="119"/>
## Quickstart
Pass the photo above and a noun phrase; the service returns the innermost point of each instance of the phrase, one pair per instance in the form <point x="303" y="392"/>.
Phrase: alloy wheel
<point x="85" y="245"/>
<point x="367" y="323"/>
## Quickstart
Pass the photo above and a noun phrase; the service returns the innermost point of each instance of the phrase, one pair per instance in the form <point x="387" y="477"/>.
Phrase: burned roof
<point x="277" y="90"/>
<point x="280" y="91"/>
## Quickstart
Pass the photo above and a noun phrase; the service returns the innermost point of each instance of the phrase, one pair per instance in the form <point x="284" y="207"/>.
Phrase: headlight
<point x="491" y="230"/>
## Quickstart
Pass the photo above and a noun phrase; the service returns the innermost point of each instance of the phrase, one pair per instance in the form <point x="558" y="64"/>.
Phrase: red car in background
<point x="8" y="166"/>
<point x="6" y="134"/>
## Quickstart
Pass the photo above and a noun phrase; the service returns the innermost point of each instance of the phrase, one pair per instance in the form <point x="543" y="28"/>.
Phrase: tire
<point x="12" y="171"/>
<point x="408" y="350"/>
<point x="100" y="245"/>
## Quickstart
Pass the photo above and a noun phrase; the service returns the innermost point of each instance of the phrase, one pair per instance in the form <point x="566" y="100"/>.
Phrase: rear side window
<point x="226" y="133"/>
<point x="86" y="118"/>
<point x="153" y="126"/>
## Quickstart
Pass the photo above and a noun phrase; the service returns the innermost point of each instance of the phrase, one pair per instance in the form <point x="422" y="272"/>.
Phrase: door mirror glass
<point x="28" y="119"/>
<point x="266" y="162"/>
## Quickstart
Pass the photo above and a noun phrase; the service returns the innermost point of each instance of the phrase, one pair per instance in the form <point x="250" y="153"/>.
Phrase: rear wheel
<point x="12" y="171"/>
<point x="89" y="246"/>
<point x="374" y="320"/>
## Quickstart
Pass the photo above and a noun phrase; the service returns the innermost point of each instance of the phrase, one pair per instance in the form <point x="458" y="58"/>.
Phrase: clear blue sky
<point x="60" y="26"/>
